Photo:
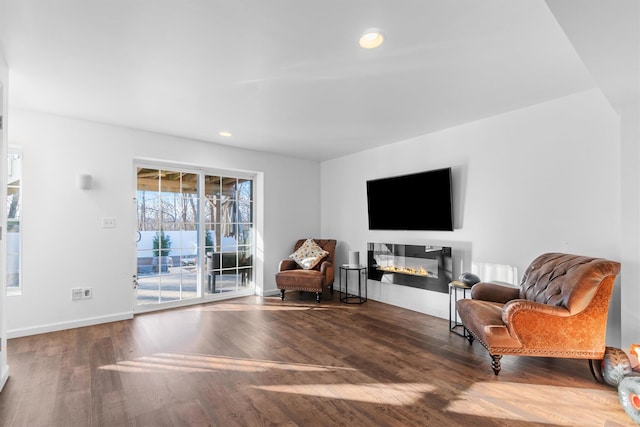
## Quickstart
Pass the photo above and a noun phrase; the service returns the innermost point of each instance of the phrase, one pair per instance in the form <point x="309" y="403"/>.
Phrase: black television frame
<point x="421" y="201"/>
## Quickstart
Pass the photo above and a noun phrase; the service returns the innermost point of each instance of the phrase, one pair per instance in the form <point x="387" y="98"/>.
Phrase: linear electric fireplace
<point x="419" y="266"/>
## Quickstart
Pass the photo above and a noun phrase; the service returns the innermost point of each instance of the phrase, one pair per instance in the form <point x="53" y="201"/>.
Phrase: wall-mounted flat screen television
<point x="419" y="201"/>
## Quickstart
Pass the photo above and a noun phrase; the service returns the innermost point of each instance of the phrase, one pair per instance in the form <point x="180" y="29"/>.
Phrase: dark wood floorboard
<point x="257" y="361"/>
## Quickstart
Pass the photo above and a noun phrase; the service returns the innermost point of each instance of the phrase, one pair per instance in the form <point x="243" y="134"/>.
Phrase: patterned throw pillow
<point x="308" y="255"/>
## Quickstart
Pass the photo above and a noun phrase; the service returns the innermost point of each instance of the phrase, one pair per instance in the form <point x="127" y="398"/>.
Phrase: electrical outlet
<point x="81" y="293"/>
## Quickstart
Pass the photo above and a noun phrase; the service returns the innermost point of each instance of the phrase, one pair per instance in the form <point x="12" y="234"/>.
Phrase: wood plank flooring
<point x="256" y="361"/>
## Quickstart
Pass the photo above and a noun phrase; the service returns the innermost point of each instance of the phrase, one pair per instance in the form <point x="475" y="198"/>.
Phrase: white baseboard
<point x="271" y="292"/>
<point x="4" y="377"/>
<point x="52" y="327"/>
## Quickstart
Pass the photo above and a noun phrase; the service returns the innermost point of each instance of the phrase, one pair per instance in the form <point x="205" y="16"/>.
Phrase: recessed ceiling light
<point x="225" y="133"/>
<point x="371" y="39"/>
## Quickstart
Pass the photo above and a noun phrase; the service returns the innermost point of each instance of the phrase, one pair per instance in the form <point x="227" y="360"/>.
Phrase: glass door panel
<point x="228" y="223"/>
<point x="167" y="247"/>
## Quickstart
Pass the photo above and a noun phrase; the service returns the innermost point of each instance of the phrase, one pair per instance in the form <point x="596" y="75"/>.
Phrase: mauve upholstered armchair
<point x="559" y="310"/>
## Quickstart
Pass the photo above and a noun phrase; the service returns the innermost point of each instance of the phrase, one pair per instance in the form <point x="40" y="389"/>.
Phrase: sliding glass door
<point x="194" y="236"/>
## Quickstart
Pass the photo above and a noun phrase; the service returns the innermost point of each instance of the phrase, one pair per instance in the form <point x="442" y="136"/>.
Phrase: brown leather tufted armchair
<point x="291" y="277"/>
<point x="559" y="310"/>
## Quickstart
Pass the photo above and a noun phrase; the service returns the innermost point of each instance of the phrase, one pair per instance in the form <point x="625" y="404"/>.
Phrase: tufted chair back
<point x="565" y="280"/>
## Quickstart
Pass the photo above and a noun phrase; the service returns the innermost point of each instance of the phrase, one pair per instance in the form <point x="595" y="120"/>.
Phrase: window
<point x="14" y="206"/>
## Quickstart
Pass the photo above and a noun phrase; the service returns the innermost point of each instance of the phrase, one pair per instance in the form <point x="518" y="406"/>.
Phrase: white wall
<point x="543" y="178"/>
<point x="4" y="84"/>
<point x="65" y="247"/>
<point x="629" y="295"/>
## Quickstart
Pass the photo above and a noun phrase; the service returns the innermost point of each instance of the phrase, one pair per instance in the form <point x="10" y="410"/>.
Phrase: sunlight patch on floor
<point x="203" y="363"/>
<point x="517" y="401"/>
<point x="378" y="393"/>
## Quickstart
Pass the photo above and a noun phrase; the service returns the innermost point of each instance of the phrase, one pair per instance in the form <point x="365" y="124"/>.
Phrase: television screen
<point x="419" y="201"/>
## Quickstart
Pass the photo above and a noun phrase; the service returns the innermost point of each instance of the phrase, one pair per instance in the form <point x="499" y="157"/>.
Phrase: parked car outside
<point x="188" y="260"/>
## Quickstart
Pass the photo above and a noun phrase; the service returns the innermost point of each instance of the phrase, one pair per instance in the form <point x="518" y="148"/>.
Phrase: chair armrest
<point x="532" y="309"/>
<point x="326" y="267"/>
<point x="542" y="326"/>
<point x="287" y="264"/>
<point x="494" y="292"/>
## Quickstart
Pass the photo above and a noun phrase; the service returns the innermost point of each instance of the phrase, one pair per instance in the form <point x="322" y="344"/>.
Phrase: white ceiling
<point x="288" y="76"/>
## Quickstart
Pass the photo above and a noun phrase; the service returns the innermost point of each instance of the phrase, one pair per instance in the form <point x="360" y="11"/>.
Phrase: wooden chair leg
<point x="595" y="366"/>
<point x="495" y="363"/>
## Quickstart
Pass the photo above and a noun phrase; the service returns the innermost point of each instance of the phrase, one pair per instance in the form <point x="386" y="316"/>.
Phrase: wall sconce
<point x="84" y="181"/>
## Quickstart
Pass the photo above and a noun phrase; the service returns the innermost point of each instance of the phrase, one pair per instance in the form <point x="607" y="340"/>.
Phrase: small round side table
<point x="345" y="296"/>
<point x="454" y="320"/>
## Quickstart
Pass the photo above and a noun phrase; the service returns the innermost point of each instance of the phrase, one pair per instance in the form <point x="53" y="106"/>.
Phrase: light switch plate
<point x="108" y="223"/>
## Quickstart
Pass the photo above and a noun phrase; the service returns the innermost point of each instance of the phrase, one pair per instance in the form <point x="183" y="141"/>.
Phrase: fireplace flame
<point x="420" y="271"/>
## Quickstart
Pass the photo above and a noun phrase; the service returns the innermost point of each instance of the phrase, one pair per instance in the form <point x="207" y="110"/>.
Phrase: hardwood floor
<point x="258" y="361"/>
